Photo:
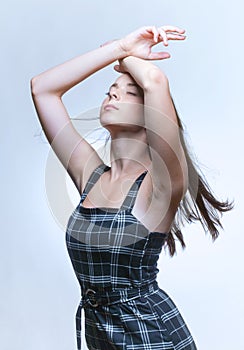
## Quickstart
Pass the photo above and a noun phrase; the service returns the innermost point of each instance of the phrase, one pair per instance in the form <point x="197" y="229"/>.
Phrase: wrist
<point x="124" y="52"/>
<point x="117" y="47"/>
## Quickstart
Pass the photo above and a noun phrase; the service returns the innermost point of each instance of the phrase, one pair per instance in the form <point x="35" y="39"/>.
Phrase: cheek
<point x="137" y="110"/>
<point x="140" y="114"/>
<point x="134" y="113"/>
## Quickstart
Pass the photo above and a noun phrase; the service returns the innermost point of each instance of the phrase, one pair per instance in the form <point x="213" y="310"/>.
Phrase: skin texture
<point x="143" y="129"/>
<point x="124" y="94"/>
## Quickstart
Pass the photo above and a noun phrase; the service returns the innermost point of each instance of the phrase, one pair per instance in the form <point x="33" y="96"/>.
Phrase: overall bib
<point x="114" y="257"/>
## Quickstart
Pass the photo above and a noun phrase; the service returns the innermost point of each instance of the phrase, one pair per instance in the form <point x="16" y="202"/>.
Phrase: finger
<point x="156" y="34"/>
<point x="173" y="29"/>
<point x="158" y="55"/>
<point x="163" y="36"/>
<point x="175" y="36"/>
<point x="117" y="68"/>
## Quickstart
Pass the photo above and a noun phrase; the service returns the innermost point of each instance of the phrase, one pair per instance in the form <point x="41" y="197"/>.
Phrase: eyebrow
<point x="128" y="84"/>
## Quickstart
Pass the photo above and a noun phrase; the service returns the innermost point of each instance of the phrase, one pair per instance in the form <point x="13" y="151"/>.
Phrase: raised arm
<point x="169" y="169"/>
<point x="77" y="156"/>
<point x="47" y="90"/>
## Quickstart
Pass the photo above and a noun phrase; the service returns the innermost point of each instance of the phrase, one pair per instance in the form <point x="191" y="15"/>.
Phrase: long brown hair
<point x="199" y="204"/>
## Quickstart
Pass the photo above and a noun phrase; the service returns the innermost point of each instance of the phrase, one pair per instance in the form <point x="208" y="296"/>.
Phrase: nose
<point x="115" y="95"/>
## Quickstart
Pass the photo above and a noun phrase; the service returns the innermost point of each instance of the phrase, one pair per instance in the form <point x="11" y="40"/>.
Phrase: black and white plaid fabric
<point x="113" y="252"/>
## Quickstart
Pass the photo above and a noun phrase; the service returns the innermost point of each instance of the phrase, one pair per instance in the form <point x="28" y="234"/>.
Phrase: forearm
<point x="146" y="74"/>
<point x="159" y="113"/>
<point x="61" y="78"/>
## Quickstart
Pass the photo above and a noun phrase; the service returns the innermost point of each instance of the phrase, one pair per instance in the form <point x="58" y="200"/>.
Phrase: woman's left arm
<point x="169" y="168"/>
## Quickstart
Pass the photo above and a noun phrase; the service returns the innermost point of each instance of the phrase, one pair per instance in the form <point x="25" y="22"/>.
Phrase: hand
<point x="140" y="42"/>
<point x="120" y="68"/>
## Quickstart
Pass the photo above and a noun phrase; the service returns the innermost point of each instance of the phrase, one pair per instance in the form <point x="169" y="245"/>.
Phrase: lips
<point x="109" y="107"/>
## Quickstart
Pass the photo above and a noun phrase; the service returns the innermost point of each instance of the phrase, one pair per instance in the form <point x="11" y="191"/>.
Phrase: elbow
<point x="39" y="87"/>
<point x="35" y="86"/>
<point x="155" y="78"/>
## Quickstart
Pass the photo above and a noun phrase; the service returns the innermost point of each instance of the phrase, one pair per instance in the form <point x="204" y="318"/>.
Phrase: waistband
<point x="94" y="298"/>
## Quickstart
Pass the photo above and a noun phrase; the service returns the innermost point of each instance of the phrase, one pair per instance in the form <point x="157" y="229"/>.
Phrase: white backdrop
<point x="39" y="292"/>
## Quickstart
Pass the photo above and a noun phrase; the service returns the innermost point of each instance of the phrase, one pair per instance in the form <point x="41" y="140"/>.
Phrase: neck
<point x="129" y="154"/>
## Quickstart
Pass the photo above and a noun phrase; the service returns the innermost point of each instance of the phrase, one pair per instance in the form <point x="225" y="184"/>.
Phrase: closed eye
<point x="128" y="92"/>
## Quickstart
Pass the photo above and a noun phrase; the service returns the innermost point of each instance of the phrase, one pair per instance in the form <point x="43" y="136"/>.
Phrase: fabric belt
<point x="93" y="298"/>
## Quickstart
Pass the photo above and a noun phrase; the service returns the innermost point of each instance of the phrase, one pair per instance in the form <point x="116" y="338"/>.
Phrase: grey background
<point x="39" y="293"/>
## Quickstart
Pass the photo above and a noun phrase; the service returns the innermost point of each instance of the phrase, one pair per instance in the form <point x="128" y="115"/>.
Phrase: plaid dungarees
<point x="115" y="258"/>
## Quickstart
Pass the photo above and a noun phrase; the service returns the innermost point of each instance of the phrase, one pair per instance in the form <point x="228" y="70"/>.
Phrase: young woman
<point x="127" y="211"/>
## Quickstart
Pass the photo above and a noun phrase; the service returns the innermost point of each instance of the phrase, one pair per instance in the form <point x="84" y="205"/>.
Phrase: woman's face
<point x="123" y="107"/>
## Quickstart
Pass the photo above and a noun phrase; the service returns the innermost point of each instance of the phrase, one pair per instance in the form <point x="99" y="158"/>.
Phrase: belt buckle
<point x="92" y="303"/>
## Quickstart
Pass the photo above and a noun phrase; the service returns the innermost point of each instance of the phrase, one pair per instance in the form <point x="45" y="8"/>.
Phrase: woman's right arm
<point x="76" y="155"/>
